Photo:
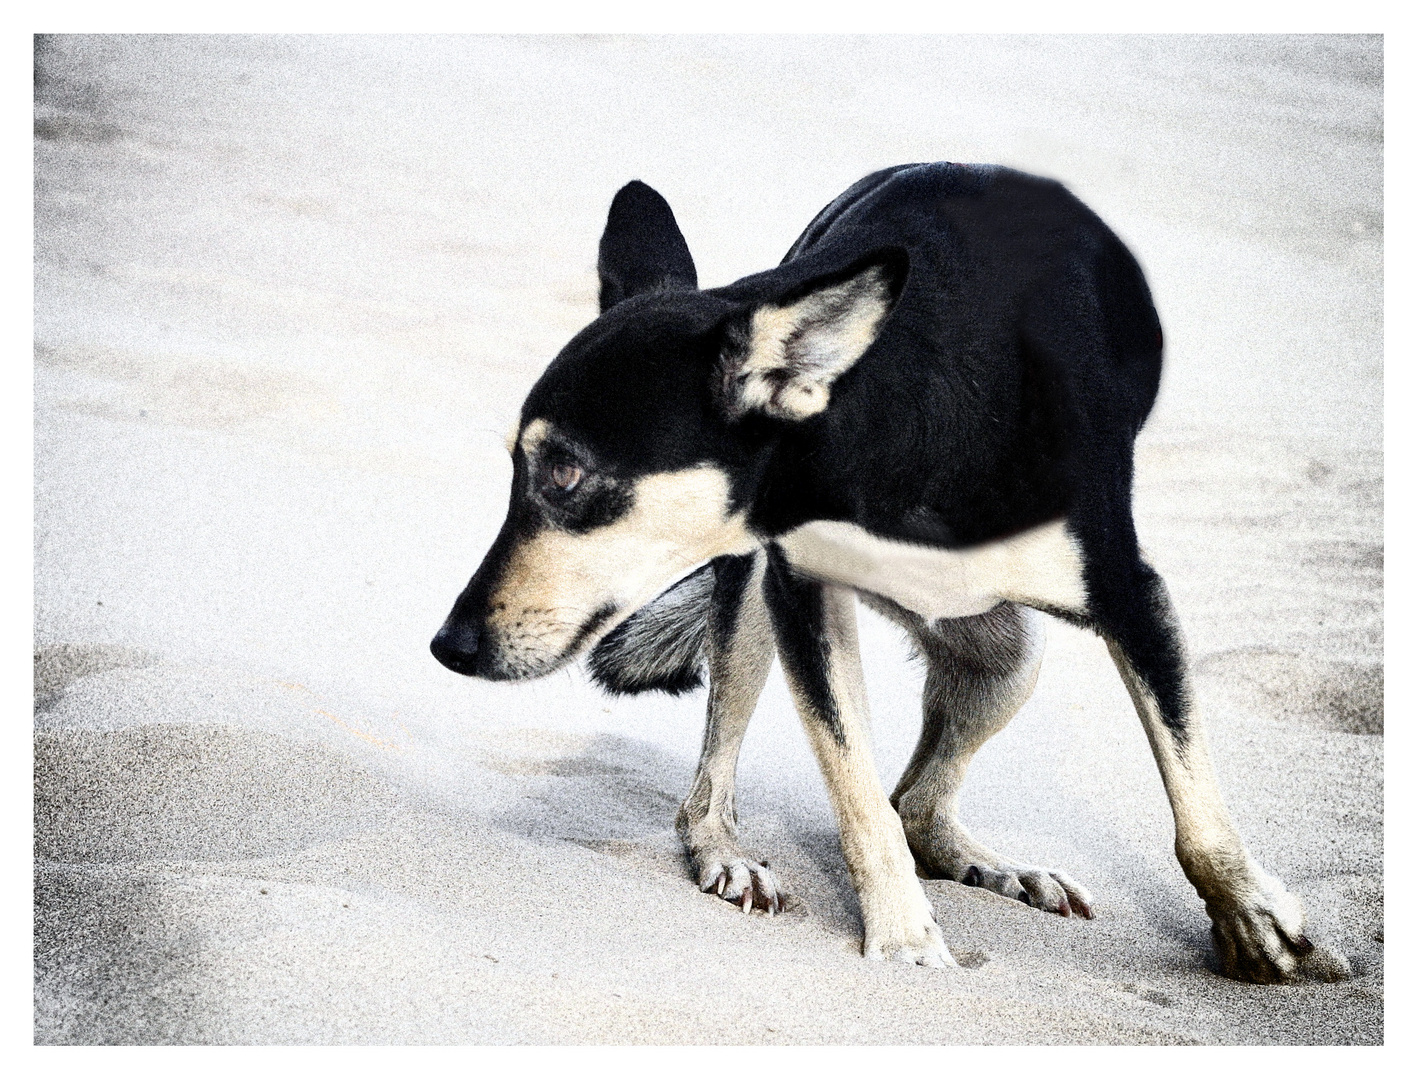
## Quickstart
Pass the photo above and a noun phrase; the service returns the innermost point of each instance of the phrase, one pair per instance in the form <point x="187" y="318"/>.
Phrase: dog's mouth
<point x="470" y="649"/>
<point x="589" y="629"/>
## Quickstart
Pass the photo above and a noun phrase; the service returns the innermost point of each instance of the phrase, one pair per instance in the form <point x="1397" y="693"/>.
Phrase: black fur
<point x="732" y="574"/>
<point x="642" y="249"/>
<point x="828" y="215"/>
<point x="1000" y="362"/>
<point x="1130" y="605"/>
<point x="795" y="606"/>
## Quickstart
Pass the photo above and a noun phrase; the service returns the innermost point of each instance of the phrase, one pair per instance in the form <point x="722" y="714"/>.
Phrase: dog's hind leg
<point x="739" y="650"/>
<point x="1257" y="926"/>
<point x="815" y="627"/>
<point x="979" y="672"/>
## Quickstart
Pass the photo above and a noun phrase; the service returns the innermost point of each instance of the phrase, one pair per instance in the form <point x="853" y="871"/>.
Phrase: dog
<point x="931" y="403"/>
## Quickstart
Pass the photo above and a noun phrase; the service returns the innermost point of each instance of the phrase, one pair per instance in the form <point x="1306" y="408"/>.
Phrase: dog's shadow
<point x="589" y="790"/>
<point x="619" y="796"/>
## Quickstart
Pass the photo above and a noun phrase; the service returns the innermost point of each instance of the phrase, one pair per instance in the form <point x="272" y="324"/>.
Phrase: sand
<point x="289" y="296"/>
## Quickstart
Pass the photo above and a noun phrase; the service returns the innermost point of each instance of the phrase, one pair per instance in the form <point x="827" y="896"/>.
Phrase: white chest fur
<point x="1040" y="567"/>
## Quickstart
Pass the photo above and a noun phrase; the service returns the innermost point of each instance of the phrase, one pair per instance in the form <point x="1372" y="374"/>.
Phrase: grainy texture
<point x="289" y="296"/>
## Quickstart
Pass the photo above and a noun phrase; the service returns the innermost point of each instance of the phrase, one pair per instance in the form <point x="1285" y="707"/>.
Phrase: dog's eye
<point x="566" y="476"/>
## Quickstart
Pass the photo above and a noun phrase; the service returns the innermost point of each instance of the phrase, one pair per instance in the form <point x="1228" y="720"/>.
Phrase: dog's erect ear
<point x="782" y="358"/>
<point x="642" y="249"/>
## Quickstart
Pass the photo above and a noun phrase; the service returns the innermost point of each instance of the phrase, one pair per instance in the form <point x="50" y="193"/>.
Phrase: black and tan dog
<point x="931" y="403"/>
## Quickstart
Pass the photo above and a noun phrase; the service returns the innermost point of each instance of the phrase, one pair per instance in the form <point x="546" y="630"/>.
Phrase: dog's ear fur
<point x="782" y="357"/>
<point x="642" y="249"/>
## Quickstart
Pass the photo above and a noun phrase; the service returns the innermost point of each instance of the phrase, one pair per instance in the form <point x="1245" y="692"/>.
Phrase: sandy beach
<point x="289" y="295"/>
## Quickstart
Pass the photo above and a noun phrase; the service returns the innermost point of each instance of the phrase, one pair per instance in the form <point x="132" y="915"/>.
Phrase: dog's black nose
<point x="456" y="647"/>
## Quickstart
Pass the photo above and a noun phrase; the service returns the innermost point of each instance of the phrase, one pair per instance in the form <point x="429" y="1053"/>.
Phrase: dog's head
<point x="637" y="452"/>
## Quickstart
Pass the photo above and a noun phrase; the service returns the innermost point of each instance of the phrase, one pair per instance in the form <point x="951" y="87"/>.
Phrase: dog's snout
<point x="455" y="646"/>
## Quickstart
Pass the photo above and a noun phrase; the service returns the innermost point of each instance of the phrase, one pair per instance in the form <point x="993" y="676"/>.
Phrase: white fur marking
<point x="1040" y="567"/>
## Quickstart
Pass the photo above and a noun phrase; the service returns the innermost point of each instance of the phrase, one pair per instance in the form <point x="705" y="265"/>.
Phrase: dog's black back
<point x="1022" y="356"/>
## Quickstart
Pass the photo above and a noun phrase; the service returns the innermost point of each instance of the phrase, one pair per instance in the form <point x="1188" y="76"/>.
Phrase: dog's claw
<point x="746" y="884"/>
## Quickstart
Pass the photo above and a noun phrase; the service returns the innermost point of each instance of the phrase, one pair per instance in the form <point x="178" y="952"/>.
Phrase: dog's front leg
<point x="739" y="650"/>
<point x="815" y="627"/>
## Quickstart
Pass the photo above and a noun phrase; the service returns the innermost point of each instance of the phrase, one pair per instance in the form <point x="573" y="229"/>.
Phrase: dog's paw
<point x="919" y="944"/>
<point x="943" y="849"/>
<point x="746" y="884"/>
<point x="1262" y="939"/>
<point x="903" y="928"/>
<point x="1047" y="890"/>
